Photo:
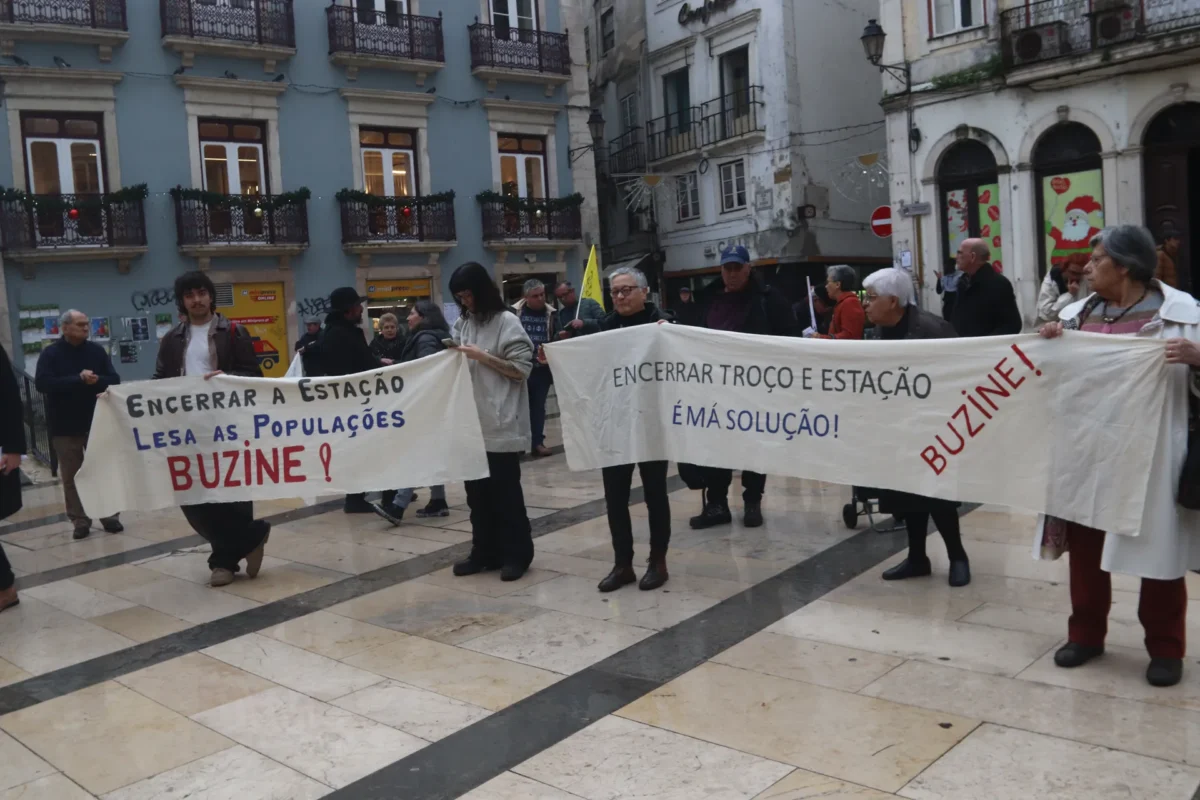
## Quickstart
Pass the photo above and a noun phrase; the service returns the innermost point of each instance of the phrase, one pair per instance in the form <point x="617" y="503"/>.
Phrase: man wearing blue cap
<point x="739" y="301"/>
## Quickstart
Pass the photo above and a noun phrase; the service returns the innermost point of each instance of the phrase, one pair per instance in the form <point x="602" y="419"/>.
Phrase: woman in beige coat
<point x="1128" y="300"/>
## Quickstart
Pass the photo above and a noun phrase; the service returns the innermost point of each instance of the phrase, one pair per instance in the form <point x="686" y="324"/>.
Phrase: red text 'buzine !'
<point x="981" y="406"/>
<point x="247" y="467"/>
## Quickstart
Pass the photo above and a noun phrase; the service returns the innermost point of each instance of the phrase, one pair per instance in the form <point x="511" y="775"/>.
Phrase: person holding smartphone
<point x="501" y="353"/>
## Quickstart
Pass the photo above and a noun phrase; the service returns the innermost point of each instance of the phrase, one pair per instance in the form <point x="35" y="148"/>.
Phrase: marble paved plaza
<point x="775" y="665"/>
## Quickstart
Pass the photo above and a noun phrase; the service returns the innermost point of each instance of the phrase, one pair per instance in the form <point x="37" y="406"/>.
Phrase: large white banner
<point x="1064" y="426"/>
<point x="187" y="440"/>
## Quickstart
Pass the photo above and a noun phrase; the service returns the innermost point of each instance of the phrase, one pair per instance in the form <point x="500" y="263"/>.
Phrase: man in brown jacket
<point x="1168" y="252"/>
<point x="208" y="344"/>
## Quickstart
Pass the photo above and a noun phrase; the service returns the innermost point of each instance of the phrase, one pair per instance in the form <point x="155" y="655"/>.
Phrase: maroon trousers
<point x="1162" y="607"/>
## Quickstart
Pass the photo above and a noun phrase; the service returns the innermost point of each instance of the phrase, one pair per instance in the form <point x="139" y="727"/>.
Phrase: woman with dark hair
<point x="1128" y="300"/>
<point x="501" y="355"/>
<point x="427" y="328"/>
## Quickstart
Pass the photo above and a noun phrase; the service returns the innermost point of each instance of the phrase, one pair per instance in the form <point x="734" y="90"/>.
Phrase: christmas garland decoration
<point x="379" y="201"/>
<point x="215" y="200"/>
<point x="51" y="203"/>
<point x="514" y="203"/>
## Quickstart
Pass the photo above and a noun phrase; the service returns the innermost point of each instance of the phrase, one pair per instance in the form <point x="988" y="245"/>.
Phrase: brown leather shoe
<point x="621" y="575"/>
<point x="8" y="598"/>
<point x="255" y="559"/>
<point x="541" y="451"/>
<point x="656" y="573"/>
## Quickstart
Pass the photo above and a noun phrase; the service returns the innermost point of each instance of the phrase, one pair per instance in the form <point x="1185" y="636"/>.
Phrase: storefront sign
<point x="408" y="287"/>
<point x="705" y="10"/>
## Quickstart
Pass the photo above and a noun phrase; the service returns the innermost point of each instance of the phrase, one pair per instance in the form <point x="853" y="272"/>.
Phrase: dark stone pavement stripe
<point x="469" y="758"/>
<point x="50" y="685"/>
<point x="30" y="524"/>
<point x="156" y="549"/>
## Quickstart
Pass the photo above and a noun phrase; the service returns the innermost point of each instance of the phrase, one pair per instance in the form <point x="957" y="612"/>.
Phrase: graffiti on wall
<point x="312" y="306"/>
<point x="152" y="298"/>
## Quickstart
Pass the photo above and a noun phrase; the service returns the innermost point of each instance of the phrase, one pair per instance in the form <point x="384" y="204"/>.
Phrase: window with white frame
<point x="608" y="31"/>
<point x="629" y="112"/>
<point x="379" y="12"/>
<point x="687" y="194"/>
<point x="514" y="19"/>
<point x="233" y="163"/>
<point x="389" y="170"/>
<point x="950" y="16"/>
<point x="733" y="185"/>
<point x="587" y="45"/>
<point x="63" y="156"/>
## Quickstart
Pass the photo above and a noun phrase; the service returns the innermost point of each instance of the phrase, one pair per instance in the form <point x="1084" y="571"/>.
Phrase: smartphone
<point x="451" y="343"/>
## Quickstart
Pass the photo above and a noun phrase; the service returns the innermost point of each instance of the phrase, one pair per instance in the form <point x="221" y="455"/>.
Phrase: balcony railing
<point x="102" y="14"/>
<point x="523" y="218"/>
<point x="387" y="220"/>
<point x="385" y="34"/>
<point x="60" y="221"/>
<point x="727" y="117"/>
<point x="255" y="22"/>
<point x="494" y="47"/>
<point x="1048" y="29"/>
<point x="255" y="220"/>
<point x="627" y="152"/>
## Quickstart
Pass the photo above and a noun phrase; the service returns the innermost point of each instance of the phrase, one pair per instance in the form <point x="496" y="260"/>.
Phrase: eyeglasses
<point x="462" y="296"/>
<point x="622" y="291"/>
<point x="871" y="298"/>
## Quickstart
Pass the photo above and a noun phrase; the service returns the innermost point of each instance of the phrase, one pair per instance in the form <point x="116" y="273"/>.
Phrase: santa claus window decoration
<point x="970" y="198"/>
<point x="1070" y="184"/>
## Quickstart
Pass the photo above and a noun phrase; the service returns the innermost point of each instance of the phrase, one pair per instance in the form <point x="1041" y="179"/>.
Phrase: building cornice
<point x="408" y="98"/>
<point x="232" y="85"/>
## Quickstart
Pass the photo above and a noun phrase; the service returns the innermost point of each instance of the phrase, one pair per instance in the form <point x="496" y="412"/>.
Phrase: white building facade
<point x="1033" y="124"/>
<point x="749" y="118"/>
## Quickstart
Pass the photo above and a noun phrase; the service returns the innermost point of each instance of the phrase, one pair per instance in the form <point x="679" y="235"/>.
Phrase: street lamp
<point x="595" y="123"/>
<point x="873" y="37"/>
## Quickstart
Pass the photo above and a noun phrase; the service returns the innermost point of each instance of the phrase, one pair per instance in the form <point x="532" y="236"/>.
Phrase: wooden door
<point x="1167" y="202"/>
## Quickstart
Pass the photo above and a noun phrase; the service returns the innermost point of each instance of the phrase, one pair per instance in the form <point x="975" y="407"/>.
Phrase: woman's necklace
<point x="1113" y="320"/>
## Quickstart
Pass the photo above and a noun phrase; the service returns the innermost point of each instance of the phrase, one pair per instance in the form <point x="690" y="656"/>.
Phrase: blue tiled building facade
<point x="285" y="146"/>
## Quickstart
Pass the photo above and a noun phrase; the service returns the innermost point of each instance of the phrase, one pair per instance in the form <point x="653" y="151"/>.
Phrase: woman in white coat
<point x="1128" y="300"/>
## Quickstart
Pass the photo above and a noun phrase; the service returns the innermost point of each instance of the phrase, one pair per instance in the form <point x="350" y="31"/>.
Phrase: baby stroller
<point x="866" y="501"/>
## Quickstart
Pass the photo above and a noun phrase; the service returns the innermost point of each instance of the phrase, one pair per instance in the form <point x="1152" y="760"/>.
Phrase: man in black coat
<point x="344" y="351"/>
<point x="985" y="303"/>
<point x="629" y="292"/>
<point x="12" y="447"/>
<point x="72" y="372"/>
<point x="740" y="301"/>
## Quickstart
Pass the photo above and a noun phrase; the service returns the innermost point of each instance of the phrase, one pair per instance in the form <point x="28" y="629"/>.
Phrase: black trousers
<point x="230" y="528"/>
<point x="500" y="530"/>
<point x="617" y="481"/>
<point x="716" y="482"/>
<point x="945" y="517"/>
<point x="6" y="574"/>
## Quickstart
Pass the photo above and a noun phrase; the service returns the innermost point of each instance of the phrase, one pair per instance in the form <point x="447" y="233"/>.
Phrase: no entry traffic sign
<point x="881" y="222"/>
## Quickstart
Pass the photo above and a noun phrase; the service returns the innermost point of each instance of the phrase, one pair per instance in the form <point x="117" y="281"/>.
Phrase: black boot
<point x="1164" y="671"/>
<point x="960" y="573"/>
<point x="752" y="518"/>
<point x="656" y="573"/>
<point x="389" y="511"/>
<point x="1072" y="655"/>
<point x="473" y="565"/>
<point x="621" y="575"/>
<point x="714" y="514"/>
<point x="909" y="568"/>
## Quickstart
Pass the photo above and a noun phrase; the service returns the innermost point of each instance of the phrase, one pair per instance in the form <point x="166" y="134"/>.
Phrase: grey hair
<point x="843" y="275"/>
<point x="892" y="282"/>
<point x="634" y="273"/>
<point x="981" y="249"/>
<point x="532" y="285"/>
<point x="1132" y="247"/>
<point x="65" y="317"/>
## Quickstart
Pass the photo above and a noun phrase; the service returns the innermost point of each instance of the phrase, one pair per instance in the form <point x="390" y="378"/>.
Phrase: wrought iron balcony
<point x="1049" y="29"/>
<point x="376" y="222"/>
<point x="527" y="219"/>
<point x="519" y="50"/>
<point x="102" y="14"/>
<point x="722" y="119"/>
<point x="244" y="23"/>
<point x="203" y="219"/>
<point x="61" y="221"/>
<point x="627" y="152"/>
<point x="384" y="35"/>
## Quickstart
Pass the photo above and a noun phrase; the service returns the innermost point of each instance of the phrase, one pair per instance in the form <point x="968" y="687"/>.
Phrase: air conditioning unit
<point x="1112" y="24"/>
<point x="1039" y="43"/>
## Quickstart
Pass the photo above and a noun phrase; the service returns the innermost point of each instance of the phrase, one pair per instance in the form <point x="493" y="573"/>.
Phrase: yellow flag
<point x="591" y="282"/>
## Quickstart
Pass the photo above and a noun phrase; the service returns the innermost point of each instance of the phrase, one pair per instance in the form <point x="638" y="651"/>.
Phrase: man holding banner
<point x="208" y="344"/>
<point x="740" y="301"/>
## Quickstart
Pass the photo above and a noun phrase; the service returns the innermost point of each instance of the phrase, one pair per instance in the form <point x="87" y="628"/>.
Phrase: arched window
<point x="1171" y="167"/>
<point x="970" y="200"/>
<point x="1070" y="201"/>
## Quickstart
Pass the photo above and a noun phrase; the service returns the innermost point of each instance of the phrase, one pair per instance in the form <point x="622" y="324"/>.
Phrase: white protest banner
<point x="1066" y="426"/>
<point x="180" y="441"/>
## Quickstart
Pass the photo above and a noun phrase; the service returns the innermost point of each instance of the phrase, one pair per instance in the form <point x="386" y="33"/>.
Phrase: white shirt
<point x="197" y="360"/>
